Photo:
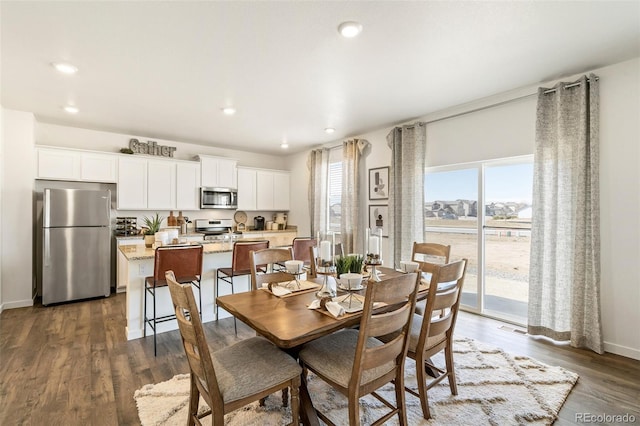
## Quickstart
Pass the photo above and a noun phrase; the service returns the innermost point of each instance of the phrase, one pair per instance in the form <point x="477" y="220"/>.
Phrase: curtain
<point x="318" y="164"/>
<point x="406" y="193"/>
<point x="564" y="281"/>
<point x="351" y="228"/>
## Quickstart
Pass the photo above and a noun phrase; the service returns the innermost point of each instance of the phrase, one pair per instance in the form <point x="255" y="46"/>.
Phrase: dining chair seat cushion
<point x="251" y="366"/>
<point x="416" y="325"/>
<point x="332" y="356"/>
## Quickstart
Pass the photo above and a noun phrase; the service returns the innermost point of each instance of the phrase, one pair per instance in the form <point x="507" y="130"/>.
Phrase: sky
<point x="502" y="183"/>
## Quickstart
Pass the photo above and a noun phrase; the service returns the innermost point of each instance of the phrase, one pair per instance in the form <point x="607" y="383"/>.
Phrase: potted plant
<point x="153" y="225"/>
<point x="355" y="266"/>
<point x="343" y="264"/>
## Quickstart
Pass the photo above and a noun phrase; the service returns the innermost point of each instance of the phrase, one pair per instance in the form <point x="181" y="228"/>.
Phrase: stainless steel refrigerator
<point x="76" y="244"/>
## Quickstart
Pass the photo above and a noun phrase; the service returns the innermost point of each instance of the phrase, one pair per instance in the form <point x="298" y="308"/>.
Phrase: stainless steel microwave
<point x="218" y="198"/>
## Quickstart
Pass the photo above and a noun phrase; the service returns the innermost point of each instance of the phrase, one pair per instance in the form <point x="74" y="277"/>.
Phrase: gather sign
<point x="151" y="148"/>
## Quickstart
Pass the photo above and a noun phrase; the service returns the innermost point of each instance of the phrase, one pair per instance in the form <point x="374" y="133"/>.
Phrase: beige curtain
<point x="564" y="281"/>
<point x="406" y="190"/>
<point x="318" y="164"/>
<point x="351" y="228"/>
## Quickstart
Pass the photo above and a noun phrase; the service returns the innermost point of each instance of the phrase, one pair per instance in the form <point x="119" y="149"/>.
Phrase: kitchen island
<point x="135" y="262"/>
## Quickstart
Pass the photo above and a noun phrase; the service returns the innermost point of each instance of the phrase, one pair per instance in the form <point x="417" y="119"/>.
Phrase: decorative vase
<point x="149" y="240"/>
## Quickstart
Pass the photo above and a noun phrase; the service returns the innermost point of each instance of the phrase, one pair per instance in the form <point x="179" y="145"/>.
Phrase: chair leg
<point x="400" y="397"/>
<point x="354" y="410"/>
<point x="448" y="357"/>
<point x="295" y="402"/>
<point x="285" y="397"/>
<point x="422" y="386"/>
<point x="216" y="294"/>
<point x="144" y="318"/>
<point x="235" y="321"/>
<point x="194" y="399"/>
<point x="155" y="347"/>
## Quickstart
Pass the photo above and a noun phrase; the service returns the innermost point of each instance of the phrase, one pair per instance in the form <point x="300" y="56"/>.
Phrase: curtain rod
<point x="422" y="123"/>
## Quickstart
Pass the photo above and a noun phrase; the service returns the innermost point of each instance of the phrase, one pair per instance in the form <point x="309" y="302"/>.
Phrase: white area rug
<point x="494" y="388"/>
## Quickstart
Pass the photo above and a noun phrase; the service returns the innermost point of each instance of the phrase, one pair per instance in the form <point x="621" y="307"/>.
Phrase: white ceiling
<point x="165" y="69"/>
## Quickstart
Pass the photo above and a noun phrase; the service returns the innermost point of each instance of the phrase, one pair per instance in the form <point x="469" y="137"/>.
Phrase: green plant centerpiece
<point x="153" y="225"/>
<point x="349" y="264"/>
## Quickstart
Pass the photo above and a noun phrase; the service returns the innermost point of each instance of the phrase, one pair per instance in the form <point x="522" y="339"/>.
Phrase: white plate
<point x="341" y="287"/>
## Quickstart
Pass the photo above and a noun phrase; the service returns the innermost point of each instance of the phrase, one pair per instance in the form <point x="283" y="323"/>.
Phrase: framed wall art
<point x="379" y="218"/>
<point x="379" y="183"/>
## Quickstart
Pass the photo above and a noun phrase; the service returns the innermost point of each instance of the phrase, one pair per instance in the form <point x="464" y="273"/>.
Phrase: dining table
<point x="288" y="322"/>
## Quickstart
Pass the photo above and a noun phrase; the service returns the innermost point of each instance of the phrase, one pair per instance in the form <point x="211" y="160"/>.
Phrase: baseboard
<point x="17" y="304"/>
<point x="613" y="348"/>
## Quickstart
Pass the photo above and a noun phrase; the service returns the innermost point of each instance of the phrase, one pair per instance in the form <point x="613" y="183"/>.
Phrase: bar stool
<point x="240" y="265"/>
<point x="186" y="263"/>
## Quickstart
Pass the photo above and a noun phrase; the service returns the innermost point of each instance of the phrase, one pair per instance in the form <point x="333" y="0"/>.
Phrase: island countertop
<point x="140" y="251"/>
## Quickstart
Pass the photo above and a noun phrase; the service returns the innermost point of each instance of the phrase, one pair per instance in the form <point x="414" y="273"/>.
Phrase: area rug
<point x="494" y="388"/>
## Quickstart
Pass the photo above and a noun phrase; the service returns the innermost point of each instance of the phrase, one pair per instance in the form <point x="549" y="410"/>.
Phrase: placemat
<point x="305" y="287"/>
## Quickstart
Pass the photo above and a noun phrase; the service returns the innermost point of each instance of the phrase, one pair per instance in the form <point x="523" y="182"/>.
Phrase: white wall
<point x="18" y="166"/>
<point x="507" y="128"/>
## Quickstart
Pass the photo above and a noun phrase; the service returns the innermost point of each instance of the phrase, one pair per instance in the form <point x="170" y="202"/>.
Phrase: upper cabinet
<point x="154" y="184"/>
<point x="260" y="189"/>
<point x="218" y="172"/>
<point x="76" y="165"/>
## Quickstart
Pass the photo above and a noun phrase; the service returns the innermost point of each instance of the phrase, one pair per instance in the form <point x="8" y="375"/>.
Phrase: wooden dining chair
<point x="431" y="333"/>
<point x="186" y="262"/>
<point x="356" y="362"/>
<point x="429" y="256"/>
<point x="240" y="265"/>
<point x="224" y="383"/>
<point x="265" y="260"/>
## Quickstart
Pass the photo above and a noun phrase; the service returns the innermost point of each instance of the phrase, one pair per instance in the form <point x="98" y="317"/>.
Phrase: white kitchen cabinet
<point x="161" y="184"/>
<point x="132" y="183"/>
<point x="76" y="165"/>
<point x="265" y="190"/>
<point x="246" y="189"/>
<point x="96" y="167"/>
<point x="188" y="186"/>
<point x="58" y="164"/>
<point x="262" y="189"/>
<point x="218" y="172"/>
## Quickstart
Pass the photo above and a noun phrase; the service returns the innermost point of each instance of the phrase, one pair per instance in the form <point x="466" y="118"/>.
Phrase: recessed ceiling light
<point x="65" y="67"/>
<point x="350" y="29"/>
<point x="229" y="110"/>
<point x="71" y="109"/>
<point x="284" y="145"/>
<point x="329" y="130"/>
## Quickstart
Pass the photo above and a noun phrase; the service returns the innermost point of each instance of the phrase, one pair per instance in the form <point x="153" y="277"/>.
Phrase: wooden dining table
<point x="289" y="323"/>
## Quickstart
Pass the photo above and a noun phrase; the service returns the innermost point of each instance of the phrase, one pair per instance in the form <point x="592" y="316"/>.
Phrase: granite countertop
<point x="289" y="229"/>
<point x="141" y="237"/>
<point x="141" y="252"/>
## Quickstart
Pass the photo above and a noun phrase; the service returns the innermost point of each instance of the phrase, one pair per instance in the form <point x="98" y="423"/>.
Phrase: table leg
<point x="308" y="414"/>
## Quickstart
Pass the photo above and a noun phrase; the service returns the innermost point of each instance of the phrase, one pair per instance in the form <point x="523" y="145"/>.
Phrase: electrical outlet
<point x="142" y="269"/>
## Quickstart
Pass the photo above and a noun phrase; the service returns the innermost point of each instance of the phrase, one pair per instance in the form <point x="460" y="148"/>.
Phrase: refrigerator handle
<point x="46" y="207"/>
<point x="47" y="249"/>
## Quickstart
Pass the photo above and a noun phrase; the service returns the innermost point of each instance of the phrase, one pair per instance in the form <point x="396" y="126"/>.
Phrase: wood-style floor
<point x="71" y="365"/>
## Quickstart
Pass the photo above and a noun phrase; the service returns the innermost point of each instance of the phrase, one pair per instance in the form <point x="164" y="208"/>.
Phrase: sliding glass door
<point x="495" y="238"/>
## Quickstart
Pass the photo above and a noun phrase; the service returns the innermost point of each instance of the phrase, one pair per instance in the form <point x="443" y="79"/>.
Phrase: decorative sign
<point x="151" y="148"/>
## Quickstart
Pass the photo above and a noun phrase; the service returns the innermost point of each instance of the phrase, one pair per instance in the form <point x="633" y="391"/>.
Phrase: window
<point x="495" y="238"/>
<point x="334" y="189"/>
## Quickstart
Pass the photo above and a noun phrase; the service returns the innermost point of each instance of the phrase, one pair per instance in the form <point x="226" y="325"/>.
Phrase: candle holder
<point x="373" y="248"/>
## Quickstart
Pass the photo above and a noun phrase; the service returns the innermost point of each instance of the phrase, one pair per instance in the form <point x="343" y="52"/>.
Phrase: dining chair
<point x="186" y="262"/>
<point x="240" y="265"/>
<point x="431" y="333"/>
<point x="356" y="362"/>
<point x="429" y="256"/>
<point x="264" y="260"/>
<point x="219" y="378"/>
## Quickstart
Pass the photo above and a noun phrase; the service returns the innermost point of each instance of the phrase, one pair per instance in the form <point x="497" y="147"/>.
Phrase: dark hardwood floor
<point x="71" y="365"/>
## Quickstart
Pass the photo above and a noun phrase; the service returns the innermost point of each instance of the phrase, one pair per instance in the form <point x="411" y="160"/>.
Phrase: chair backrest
<point x="241" y="257"/>
<point x="185" y="262"/>
<point x="444" y="296"/>
<point x="399" y="294"/>
<point x="194" y="341"/>
<point x="428" y="255"/>
<point x="301" y="247"/>
<point x="269" y="257"/>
